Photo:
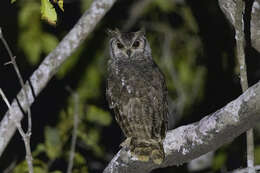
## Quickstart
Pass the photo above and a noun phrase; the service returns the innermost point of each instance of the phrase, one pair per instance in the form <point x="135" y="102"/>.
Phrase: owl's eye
<point x="119" y="45"/>
<point x="136" y="44"/>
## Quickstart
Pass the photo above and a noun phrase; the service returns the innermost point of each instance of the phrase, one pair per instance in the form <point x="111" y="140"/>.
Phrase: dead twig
<point x="26" y="136"/>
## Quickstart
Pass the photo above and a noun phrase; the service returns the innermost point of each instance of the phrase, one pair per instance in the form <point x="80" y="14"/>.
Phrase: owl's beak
<point x="128" y="52"/>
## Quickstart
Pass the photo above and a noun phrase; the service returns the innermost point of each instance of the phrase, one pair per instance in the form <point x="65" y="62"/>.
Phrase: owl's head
<point x="129" y="46"/>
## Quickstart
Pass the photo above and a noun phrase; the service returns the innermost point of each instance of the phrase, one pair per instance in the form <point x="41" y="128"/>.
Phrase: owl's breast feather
<point x="133" y="79"/>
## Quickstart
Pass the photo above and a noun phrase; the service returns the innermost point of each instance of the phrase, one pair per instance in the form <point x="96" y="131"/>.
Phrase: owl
<point x="137" y="93"/>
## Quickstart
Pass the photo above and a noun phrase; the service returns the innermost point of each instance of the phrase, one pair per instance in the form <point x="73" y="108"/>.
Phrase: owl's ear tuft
<point x="113" y="33"/>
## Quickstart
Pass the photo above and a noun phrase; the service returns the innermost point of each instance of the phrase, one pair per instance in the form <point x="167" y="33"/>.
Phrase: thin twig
<point x="74" y="133"/>
<point x="24" y="136"/>
<point x="240" y="41"/>
<point x="13" y="62"/>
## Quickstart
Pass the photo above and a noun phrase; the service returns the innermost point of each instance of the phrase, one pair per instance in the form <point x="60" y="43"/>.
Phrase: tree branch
<point x="26" y="136"/>
<point x="190" y="141"/>
<point x="245" y="170"/>
<point x="240" y="41"/>
<point x="228" y="7"/>
<point x="51" y="65"/>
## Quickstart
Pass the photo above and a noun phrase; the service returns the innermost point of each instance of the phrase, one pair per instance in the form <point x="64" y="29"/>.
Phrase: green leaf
<point x="60" y="4"/>
<point x="39" y="149"/>
<point x="49" y="42"/>
<point x="165" y="5"/>
<point x="53" y="143"/>
<point x="31" y="45"/>
<point x="13" y="1"/>
<point x="29" y="15"/>
<point x="48" y="12"/>
<point x="90" y="83"/>
<point x="37" y="169"/>
<point x="91" y="138"/>
<point x="55" y="172"/>
<point x="189" y="19"/>
<point x="85" y="4"/>
<point x="186" y="73"/>
<point x="21" y="168"/>
<point x="81" y="169"/>
<point x="65" y="124"/>
<point x="219" y="160"/>
<point x="257" y="155"/>
<point x="99" y="116"/>
<point x="79" y="159"/>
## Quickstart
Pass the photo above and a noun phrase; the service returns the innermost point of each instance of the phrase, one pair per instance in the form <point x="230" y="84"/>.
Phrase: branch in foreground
<point x="188" y="142"/>
<point x="51" y="65"/>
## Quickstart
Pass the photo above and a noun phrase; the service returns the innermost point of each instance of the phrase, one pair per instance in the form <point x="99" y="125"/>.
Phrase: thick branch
<point x="188" y="142"/>
<point x="245" y="170"/>
<point x="51" y="64"/>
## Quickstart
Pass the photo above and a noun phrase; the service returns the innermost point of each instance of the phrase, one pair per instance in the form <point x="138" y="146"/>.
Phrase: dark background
<point x="213" y="53"/>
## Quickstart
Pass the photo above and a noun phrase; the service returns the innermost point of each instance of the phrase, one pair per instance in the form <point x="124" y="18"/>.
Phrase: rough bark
<point x="190" y="141"/>
<point x="51" y="64"/>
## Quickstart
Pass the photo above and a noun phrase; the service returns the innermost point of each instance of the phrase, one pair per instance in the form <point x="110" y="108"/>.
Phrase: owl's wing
<point x="159" y="94"/>
<point x="113" y="93"/>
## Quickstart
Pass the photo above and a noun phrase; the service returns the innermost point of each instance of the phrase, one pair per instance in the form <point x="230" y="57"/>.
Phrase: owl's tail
<point x="146" y="149"/>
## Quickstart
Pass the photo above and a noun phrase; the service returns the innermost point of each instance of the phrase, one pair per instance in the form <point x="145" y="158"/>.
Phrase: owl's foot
<point x="157" y="156"/>
<point x="142" y="153"/>
<point x="148" y="149"/>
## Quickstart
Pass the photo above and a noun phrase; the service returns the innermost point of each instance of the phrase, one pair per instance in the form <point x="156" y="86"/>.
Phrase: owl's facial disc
<point x="128" y="46"/>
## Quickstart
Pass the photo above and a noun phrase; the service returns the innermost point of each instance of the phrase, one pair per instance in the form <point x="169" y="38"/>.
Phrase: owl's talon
<point x="143" y="158"/>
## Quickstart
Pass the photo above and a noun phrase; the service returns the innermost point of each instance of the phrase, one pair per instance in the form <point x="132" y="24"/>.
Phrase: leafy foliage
<point x="33" y="40"/>
<point x="219" y="161"/>
<point x="257" y="155"/>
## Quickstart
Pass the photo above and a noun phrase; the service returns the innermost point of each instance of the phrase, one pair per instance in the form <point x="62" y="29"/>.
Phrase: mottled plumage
<point x="137" y="92"/>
